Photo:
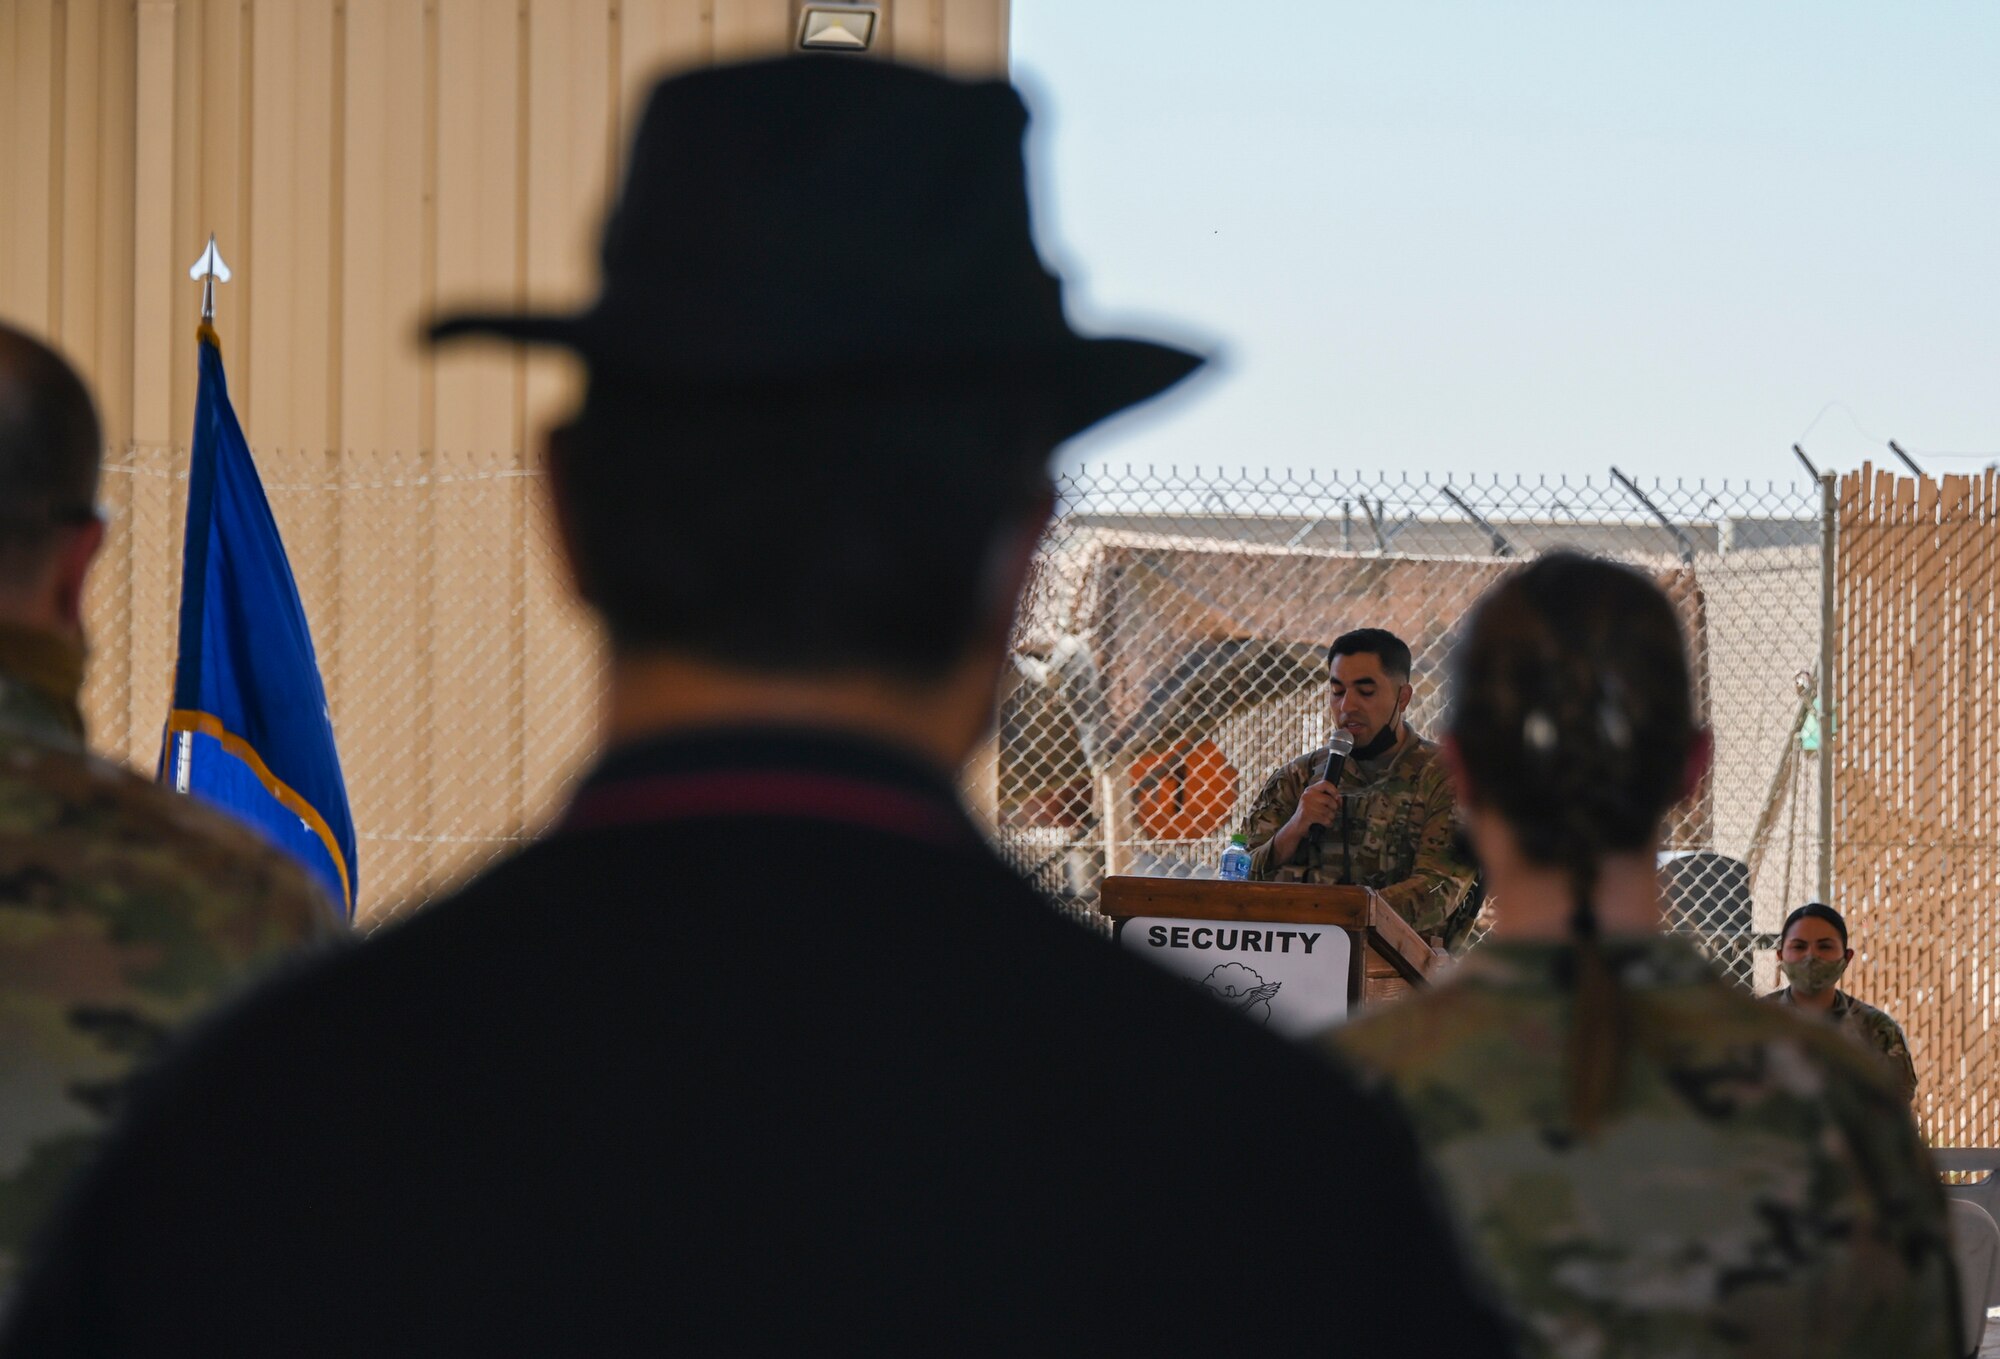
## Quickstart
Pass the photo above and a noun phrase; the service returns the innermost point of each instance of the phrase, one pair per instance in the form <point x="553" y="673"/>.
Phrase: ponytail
<point x="1600" y="1013"/>
<point x="1573" y="715"/>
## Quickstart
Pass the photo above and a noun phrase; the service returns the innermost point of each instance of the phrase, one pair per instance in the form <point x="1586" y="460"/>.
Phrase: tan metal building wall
<point x="361" y="162"/>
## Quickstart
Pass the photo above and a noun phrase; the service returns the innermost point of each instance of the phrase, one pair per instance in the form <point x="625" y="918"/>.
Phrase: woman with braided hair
<point x="1646" y="1160"/>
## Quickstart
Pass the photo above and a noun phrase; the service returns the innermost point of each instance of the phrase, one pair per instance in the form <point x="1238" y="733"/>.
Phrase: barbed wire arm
<point x="1305" y="530"/>
<point x="1385" y="538"/>
<point x="1502" y="546"/>
<point x="1680" y="535"/>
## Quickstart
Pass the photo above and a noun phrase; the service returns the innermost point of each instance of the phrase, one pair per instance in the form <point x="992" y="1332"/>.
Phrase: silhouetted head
<point x="1573" y="710"/>
<point x="50" y="446"/>
<point x="806" y="531"/>
<point x="49" y="453"/>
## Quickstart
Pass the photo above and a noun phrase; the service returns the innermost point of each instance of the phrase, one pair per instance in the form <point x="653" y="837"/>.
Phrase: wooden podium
<point x="1386" y="956"/>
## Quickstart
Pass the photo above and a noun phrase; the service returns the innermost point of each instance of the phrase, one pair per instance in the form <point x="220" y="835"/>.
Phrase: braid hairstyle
<point x="1574" y="716"/>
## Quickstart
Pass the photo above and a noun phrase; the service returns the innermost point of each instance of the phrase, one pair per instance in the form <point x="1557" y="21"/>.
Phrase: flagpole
<point x="207" y="271"/>
<point x="255" y="736"/>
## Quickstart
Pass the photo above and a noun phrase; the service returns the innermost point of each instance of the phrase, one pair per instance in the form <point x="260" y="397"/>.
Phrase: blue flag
<point x="249" y="730"/>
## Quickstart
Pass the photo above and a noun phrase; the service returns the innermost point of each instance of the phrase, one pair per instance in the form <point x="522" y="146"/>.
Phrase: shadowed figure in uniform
<point x="125" y="909"/>
<point x="827" y="372"/>
<point x="1813" y="954"/>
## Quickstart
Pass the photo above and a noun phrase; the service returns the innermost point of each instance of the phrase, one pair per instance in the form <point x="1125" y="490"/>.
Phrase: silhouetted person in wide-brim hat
<point x="762" y="1048"/>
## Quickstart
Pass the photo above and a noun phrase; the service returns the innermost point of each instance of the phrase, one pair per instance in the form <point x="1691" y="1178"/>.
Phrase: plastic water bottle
<point x="1236" y="861"/>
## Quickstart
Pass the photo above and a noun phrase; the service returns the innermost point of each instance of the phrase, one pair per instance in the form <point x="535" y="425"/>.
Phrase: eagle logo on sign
<point x="1243" y="991"/>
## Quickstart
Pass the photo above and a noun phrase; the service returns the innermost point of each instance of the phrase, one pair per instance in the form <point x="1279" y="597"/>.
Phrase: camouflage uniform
<point x="1869" y="1027"/>
<point x="1758" y="1189"/>
<point x="1400" y="837"/>
<point x="124" y="910"/>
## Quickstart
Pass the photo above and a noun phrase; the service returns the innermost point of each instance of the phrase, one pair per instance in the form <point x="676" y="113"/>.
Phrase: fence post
<point x="1828" y="654"/>
<point x="1115" y="818"/>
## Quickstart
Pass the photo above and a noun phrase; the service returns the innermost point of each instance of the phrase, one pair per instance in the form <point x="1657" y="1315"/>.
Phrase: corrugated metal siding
<point x="362" y="162"/>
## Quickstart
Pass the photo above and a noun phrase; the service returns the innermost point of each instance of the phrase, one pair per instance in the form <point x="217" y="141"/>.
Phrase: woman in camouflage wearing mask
<point x="1813" y="955"/>
<point x="1646" y="1160"/>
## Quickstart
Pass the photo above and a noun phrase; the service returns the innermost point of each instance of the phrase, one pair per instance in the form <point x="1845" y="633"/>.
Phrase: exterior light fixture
<point x="838" y="28"/>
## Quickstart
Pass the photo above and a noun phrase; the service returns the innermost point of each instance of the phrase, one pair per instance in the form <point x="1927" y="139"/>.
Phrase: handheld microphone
<point x="1338" y="747"/>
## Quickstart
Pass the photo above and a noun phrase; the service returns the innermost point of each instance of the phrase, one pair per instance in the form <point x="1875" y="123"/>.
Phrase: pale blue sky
<point x="1541" y="237"/>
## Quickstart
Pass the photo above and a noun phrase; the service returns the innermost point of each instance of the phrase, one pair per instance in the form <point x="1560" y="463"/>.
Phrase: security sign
<point x="1289" y="978"/>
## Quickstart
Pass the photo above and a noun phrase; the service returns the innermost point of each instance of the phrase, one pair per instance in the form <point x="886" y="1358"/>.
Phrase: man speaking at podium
<point x="1385" y="818"/>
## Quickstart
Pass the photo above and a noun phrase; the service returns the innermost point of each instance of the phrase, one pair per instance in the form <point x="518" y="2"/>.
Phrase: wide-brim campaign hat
<point x="836" y="219"/>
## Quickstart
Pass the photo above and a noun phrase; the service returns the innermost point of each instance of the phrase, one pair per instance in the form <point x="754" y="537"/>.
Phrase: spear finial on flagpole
<point x="207" y="271"/>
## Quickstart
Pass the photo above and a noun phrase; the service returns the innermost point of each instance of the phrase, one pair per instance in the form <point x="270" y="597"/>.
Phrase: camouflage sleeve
<point x="1887" y="1035"/>
<point x="1913" y="1273"/>
<point x="1440" y="877"/>
<point x="148" y="912"/>
<point x="1273" y="808"/>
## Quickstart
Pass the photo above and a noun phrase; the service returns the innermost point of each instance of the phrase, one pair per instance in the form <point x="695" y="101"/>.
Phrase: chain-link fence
<point x="462" y="681"/>
<point x="1172" y="653"/>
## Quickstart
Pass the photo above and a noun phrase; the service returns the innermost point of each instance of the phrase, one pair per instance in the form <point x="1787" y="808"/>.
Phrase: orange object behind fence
<point x="1184" y="793"/>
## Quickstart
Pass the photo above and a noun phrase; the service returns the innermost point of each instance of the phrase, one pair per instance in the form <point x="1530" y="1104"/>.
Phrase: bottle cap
<point x="1238" y="840"/>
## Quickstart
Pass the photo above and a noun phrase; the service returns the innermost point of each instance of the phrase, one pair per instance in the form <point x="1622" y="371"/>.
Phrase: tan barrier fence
<point x="1916" y="738"/>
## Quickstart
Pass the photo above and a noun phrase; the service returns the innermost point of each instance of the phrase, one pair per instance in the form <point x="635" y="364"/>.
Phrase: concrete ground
<point x="1989" y="1348"/>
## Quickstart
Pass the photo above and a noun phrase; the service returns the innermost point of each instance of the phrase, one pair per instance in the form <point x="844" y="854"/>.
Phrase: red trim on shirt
<point x="785" y="795"/>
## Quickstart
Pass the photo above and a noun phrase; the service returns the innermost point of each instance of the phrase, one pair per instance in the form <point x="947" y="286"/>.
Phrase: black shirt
<point x="762" y="1049"/>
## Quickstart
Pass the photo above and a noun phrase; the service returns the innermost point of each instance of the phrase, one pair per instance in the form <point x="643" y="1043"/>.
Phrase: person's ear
<point x="557" y="453"/>
<point x="1700" y="756"/>
<point x="976" y="686"/>
<point x="1012" y="558"/>
<point x="1404" y="694"/>
<point x="75" y="550"/>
